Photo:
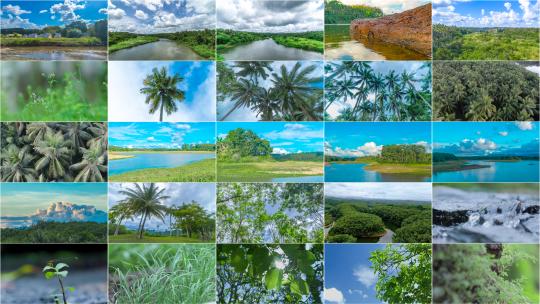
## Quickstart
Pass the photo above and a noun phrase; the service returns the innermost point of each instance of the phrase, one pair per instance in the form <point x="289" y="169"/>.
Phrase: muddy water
<point x="54" y="53"/>
<point x="268" y="49"/>
<point x="160" y="50"/>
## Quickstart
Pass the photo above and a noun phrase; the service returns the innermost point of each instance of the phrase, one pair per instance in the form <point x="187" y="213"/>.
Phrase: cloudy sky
<point x="387" y="191"/>
<point x="284" y="137"/>
<point x="245" y="113"/>
<point x="348" y="277"/>
<point x="161" y="16"/>
<point x="202" y="193"/>
<point x="389" y="6"/>
<point x="382" y="67"/>
<point x="367" y="138"/>
<point x="499" y="13"/>
<point x="160" y="135"/>
<point x="484" y="138"/>
<point x="271" y="16"/>
<point x="38" y="14"/>
<point x="199" y="85"/>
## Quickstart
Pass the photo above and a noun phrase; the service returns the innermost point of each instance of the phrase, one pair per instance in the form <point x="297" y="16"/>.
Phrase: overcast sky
<point x="271" y="16"/>
<point x="390" y="191"/>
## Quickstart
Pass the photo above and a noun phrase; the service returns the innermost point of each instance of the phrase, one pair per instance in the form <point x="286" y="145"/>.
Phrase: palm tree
<point x="244" y="93"/>
<point x="266" y="104"/>
<point x="55" y="154"/>
<point x="77" y="135"/>
<point x="36" y="131"/>
<point x="482" y="108"/>
<point x="146" y="201"/>
<point x="17" y="165"/>
<point x="100" y="135"/>
<point x="162" y="91"/>
<point x="119" y="212"/>
<point x="254" y="69"/>
<point x="377" y="85"/>
<point x="92" y="165"/>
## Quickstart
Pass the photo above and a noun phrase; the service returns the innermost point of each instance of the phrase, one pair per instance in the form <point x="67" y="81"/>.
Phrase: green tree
<point x="162" y="91"/>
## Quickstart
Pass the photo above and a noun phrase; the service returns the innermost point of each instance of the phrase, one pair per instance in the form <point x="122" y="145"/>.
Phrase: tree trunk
<point x="161" y="111"/>
<point x="118" y="225"/>
<point x="142" y="226"/>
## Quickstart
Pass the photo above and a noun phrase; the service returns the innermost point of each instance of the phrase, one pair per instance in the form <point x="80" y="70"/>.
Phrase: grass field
<point x="400" y="168"/>
<point x="201" y="171"/>
<point x="131" y="42"/>
<point x="83" y="41"/>
<point x="132" y="238"/>
<point x="264" y="171"/>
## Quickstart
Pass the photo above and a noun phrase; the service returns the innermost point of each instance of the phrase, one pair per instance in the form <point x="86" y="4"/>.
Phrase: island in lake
<point x="162" y="152"/>
<point x="42" y="30"/>
<point x="153" y="35"/>
<point x="357" y="30"/>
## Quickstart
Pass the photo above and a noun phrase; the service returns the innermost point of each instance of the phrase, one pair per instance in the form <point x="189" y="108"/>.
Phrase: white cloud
<point x="116" y="13"/>
<point x="15" y="10"/>
<point x="524" y="125"/>
<point x="67" y="9"/>
<point x="367" y="149"/>
<point x="508" y="5"/>
<point x="141" y="15"/>
<point x="390" y="191"/>
<point x="365" y="275"/>
<point x="43" y="11"/>
<point x="483" y="12"/>
<point x="333" y="295"/>
<point x="295" y="131"/>
<point x="279" y="151"/>
<point x="503" y="133"/>
<point x="151" y="138"/>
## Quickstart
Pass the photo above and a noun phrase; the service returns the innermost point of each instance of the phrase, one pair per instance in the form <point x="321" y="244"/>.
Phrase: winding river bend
<point x="162" y="49"/>
<point x="268" y="49"/>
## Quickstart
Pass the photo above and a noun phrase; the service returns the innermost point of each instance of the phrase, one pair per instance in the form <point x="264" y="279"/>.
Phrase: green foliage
<point x="377" y="96"/>
<point x="58" y="271"/>
<point x="162" y="91"/>
<point x="270" y="273"/>
<point x="442" y="157"/>
<point x="74" y="41"/>
<point x="477" y="273"/>
<point x="57" y="232"/>
<point x="244" y="216"/>
<point x="119" y="41"/>
<point x="312" y="41"/>
<point x="404" y="154"/>
<point x="200" y="171"/>
<point x="300" y="43"/>
<point x="162" y="273"/>
<point x="336" y="12"/>
<point x="341" y="238"/>
<point x="485" y="91"/>
<point x="68" y="152"/>
<point x="451" y="43"/>
<point x="404" y="273"/>
<point x="61" y="99"/>
<point x="358" y="225"/>
<point x="241" y="143"/>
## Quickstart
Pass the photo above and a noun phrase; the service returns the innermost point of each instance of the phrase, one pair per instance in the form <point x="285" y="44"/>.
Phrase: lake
<point x="162" y="49"/>
<point x="339" y="45"/>
<point x="154" y="160"/>
<point x="356" y="173"/>
<point x="54" y="53"/>
<point x="519" y="171"/>
<point x="268" y="49"/>
<point x="299" y="179"/>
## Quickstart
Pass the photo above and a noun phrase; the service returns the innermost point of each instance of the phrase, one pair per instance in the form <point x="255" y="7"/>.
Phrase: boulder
<point x="410" y="29"/>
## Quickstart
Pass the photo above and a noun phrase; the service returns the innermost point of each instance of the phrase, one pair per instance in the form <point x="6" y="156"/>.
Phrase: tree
<point x="404" y="273"/>
<point x="358" y="225"/>
<point x="162" y="91"/>
<point x="119" y="212"/>
<point x="92" y="165"/>
<point x="243" y="143"/>
<point x="55" y="154"/>
<point x="100" y="29"/>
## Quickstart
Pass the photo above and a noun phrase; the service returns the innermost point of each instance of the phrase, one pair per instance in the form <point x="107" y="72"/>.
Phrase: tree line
<point x="75" y="29"/>
<point x="183" y="147"/>
<point x="404" y="154"/>
<point x="336" y="12"/>
<point x="241" y="143"/>
<point x="57" y="232"/>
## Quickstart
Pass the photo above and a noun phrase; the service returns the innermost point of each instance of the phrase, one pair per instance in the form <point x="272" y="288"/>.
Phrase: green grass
<point x="301" y="43"/>
<point x="83" y="41"/>
<point x="131" y="42"/>
<point x="201" y="171"/>
<point x="424" y="169"/>
<point x="132" y="238"/>
<point x="498" y="46"/>
<point x="162" y="273"/>
<point x="265" y="171"/>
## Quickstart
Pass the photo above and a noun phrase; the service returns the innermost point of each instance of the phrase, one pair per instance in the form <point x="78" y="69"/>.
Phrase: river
<point x="356" y="173"/>
<point x="154" y="160"/>
<point x="54" y="53"/>
<point x="162" y="49"/>
<point x="509" y="171"/>
<point x="268" y="49"/>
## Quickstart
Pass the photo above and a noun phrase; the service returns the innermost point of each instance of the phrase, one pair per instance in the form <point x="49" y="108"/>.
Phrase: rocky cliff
<point x="410" y="29"/>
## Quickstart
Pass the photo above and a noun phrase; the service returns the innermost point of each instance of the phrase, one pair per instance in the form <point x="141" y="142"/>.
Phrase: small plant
<point x="59" y="271"/>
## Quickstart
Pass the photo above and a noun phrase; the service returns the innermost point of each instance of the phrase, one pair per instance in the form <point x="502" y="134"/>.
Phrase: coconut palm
<point x="120" y="212"/>
<point x="146" y="201"/>
<point x="254" y="69"/>
<point x="244" y="93"/>
<point x="92" y="165"/>
<point x="55" y="155"/>
<point x="17" y="165"/>
<point x="162" y="92"/>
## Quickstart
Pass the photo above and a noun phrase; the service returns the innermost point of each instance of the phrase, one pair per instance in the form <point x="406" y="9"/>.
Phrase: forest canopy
<point x="485" y="91"/>
<point x="335" y="12"/>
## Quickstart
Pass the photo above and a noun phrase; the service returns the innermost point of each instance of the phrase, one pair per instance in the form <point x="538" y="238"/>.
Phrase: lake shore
<point x="423" y="169"/>
<point x="459" y="165"/>
<point x="265" y="171"/>
<point x="200" y="171"/>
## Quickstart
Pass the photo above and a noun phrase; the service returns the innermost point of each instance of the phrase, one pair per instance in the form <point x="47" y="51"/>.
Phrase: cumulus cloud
<point x="116" y="13"/>
<point x="365" y="275"/>
<point x="503" y="133"/>
<point x="279" y="151"/>
<point x="67" y="9"/>
<point x="295" y="131"/>
<point x="15" y="10"/>
<point x="367" y="149"/>
<point x="333" y="295"/>
<point x="524" y="125"/>
<point x="141" y="15"/>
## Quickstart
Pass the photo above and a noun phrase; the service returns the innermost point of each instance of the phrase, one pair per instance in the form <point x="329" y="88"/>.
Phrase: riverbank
<point x="265" y="171"/>
<point x="424" y="169"/>
<point x="131" y="42"/>
<point x="60" y="42"/>
<point x="132" y="238"/>
<point x="227" y="40"/>
<point x="456" y="165"/>
<point x="200" y="171"/>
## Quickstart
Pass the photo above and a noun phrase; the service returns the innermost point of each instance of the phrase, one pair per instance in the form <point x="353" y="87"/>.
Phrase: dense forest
<point x="184" y="147"/>
<point x="392" y="154"/>
<point x="45" y="152"/>
<point x="485" y="91"/>
<point x="270" y="273"/>
<point x="293" y="94"/>
<point x="485" y="273"/>
<point x="336" y="12"/>
<point x="57" y="232"/>
<point x="311" y="41"/>
<point x="375" y="96"/>
<point x="451" y="42"/>
<point x="269" y="213"/>
<point x="357" y="220"/>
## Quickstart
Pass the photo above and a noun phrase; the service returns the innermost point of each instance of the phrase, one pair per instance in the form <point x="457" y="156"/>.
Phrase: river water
<point x="154" y="160"/>
<point x="268" y="49"/>
<point x="54" y="53"/>
<point x="162" y="49"/>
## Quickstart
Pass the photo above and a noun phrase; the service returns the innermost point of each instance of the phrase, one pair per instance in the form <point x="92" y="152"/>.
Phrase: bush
<point x="358" y="225"/>
<point x="341" y="238"/>
<point x="417" y="230"/>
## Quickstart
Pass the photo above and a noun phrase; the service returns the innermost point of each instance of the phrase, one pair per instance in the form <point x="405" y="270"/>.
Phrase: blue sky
<point x="357" y="139"/>
<point x="284" y="137"/>
<point x="20" y="199"/>
<point x="199" y="86"/>
<point x="420" y="192"/>
<point x="484" y="138"/>
<point x="161" y="16"/>
<point x="348" y="277"/>
<point x="498" y="13"/>
<point x="38" y="14"/>
<point x="160" y="135"/>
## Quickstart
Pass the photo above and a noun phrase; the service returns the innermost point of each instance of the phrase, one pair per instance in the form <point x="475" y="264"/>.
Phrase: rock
<point x="410" y="29"/>
<point x="449" y="218"/>
<point x="532" y="209"/>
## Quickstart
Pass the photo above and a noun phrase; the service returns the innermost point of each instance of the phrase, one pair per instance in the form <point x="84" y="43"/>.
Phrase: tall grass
<point x="162" y="273"/>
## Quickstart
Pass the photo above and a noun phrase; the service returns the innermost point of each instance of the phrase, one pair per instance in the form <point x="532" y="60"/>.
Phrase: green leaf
<point x="49" y="275"/>
<point x="71" y="288"/>
<point x="48" y="268"/>
<point x="63" y="273"/>
<point x="239" y="261"/>
<point x="273" y="278"/>
<point x="299" y="286"/>
<point x="59" y="266"/>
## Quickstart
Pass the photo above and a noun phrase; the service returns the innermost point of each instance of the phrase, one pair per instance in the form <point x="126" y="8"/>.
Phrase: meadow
<point x="460" y="43"/>
<point x="267" y="169"/>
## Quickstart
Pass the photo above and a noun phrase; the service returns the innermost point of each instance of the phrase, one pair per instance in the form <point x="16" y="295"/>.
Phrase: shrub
<point x="341" y="238"/>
